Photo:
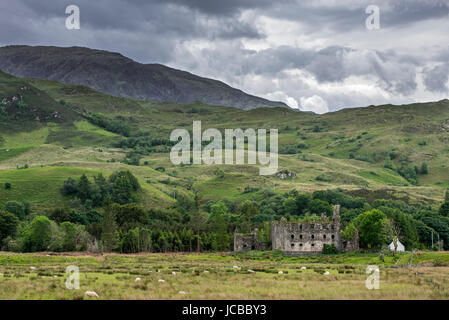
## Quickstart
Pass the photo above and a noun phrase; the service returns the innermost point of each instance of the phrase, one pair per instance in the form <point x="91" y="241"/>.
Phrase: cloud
<point x="435" y="79"/>
<point x="290" y="50"/>
<point x="314" y="103"/>
<point x="282" y="96"/>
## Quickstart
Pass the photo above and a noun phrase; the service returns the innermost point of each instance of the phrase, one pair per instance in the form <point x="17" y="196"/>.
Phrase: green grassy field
<point x="252" y="275"/>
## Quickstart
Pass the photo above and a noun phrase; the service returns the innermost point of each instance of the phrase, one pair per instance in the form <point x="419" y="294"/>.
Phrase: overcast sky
<point x="313" y="55"/>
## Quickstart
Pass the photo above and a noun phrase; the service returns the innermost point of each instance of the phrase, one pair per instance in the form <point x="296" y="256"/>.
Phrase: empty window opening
<point x="292" y="245"/>
<point x="333" y="237"/>
<point x="292" y="236"/>
<point x="313" y="236"/>
<point x="324" y="236"/>
<point x="300" y="236"/>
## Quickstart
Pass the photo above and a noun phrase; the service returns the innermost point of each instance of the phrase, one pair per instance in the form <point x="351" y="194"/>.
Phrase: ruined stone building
<point x="301" y="237"/>
<point x="247" y="242"/>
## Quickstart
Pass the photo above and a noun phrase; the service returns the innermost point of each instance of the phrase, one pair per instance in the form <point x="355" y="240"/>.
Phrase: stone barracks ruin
<point x="300" y="237"/>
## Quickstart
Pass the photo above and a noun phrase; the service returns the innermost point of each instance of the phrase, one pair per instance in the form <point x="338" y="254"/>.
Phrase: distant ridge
<point x="117" y="75"/>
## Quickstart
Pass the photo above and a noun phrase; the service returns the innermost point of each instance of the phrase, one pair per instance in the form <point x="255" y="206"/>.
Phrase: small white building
<point x="399" y="246"/>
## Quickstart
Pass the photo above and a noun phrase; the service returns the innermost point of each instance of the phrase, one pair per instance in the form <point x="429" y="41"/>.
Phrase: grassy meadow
<point x="215" y="276"/>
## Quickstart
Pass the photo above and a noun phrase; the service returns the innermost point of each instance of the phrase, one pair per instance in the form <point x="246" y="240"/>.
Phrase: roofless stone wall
<point x="301" y="237"/>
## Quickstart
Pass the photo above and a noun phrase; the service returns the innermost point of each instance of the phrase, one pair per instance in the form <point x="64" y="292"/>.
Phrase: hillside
<point x="114" y="74"/>
<point x="359" y="150"/>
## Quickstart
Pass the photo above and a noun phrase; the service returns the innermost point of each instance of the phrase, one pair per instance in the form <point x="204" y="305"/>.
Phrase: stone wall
<point x="247" y="242"/>
<point x="350" y="245"/>
<point x="297" y="238"/>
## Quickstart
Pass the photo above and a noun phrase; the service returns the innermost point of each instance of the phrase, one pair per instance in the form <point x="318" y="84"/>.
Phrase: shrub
<point x="113" y="125"/>
<point x="409" y="174"/>
<point x="7" y="186"/>
<point x="424" y="168"/>
<point x="220" y="173"/>
<point x="329" y="249"/>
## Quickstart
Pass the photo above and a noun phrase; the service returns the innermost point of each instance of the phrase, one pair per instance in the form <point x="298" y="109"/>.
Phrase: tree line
<point x="105" y="214"/>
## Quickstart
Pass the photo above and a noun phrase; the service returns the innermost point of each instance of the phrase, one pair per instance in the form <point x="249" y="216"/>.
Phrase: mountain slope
<point x="367" y="152"/>
<point x="114" y="74"/>
<point x="21" y="102"/>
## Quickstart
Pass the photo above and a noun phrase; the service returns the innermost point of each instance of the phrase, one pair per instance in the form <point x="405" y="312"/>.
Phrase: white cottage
<point x="399" y="246"/>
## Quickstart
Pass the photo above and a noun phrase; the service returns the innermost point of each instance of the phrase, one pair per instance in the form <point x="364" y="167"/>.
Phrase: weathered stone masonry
<point x="247" y="242"/>
<point x="300" y="237"/>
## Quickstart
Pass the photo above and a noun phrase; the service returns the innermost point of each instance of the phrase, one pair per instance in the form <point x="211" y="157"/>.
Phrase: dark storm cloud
<point x="128" y="15"/>
<point x="227" y="7"/>
<point x="349" y="15"/>
<point x="402" y="12"/>
<point x="148" y="31"/>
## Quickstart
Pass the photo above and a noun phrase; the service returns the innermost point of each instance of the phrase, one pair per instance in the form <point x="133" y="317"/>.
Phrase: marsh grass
<point x="113" y="277"/>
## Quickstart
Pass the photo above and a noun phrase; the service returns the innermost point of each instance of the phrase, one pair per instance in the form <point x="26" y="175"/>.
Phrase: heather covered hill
<point x="395" y="151"/>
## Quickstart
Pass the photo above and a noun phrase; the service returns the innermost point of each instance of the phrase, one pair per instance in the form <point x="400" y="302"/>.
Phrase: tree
<point x="425" y="233"/>
<point x="198" y="220"/>
<point x="124" y="184"/>
<point x="129" y="216"/>
<point x="290" y="206"/>
<point x="59" y="215"/>
<point x="348" y="233"/>
<point x="37" y="235"/>
<point x="17" y="208"/>
<point x="127" y="175"/>
<point x="221" y="242"/>
<point x="249" y="210"/>
<point x="8" y="225"/>
<point x="69" y="187"/>
<point x="219" y="209"/>
<point x="444" y="209"/>
<point x="109" y="230"/>
<point x="302" y="203"/>
<point x="319" y="206"/>
<point x="437" y="222"/>
<point x="402" y="227"/>
<point x="69" y="242"/>
<point x="371" y="226"/>
<point x="135" y="240"/>
<point x="84" y="188"/>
